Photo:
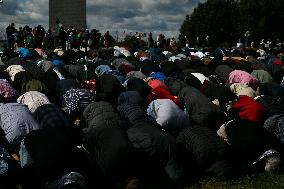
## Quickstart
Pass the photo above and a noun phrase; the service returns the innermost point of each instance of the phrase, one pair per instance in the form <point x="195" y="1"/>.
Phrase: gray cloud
<point x="122" y="15"/>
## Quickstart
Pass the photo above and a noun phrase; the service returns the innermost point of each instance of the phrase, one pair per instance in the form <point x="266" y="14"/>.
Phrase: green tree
<point x="214" y="18"/>
<point x="262" y="17"/>
<point x="225" y="21"/>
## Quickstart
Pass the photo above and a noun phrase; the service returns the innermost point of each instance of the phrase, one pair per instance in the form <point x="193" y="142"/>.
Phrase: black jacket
<point x="200" y="108"/>
<point x="102" y="113"/>
<point x="132" y="106"/>
<point x="112" y="150"/>
<point x="211" y="153"/>
<point x="108" y="88"/>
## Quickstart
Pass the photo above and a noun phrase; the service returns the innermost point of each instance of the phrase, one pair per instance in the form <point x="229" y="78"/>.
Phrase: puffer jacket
<point x="132" y="106"/>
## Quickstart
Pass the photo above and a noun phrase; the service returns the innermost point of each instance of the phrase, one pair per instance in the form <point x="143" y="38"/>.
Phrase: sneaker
<point x="273" y="164"/>
<point x="272" y="160"/>
<point x="70" y="180"/>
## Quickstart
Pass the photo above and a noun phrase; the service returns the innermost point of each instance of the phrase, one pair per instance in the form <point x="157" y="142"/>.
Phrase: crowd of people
<point x="72" y="38"/>
<point x="107" y="116"/>
<point x="60" y="37"/>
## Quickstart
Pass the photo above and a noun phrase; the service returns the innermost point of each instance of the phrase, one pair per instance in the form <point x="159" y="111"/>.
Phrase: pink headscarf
<point x="242" y="77"/>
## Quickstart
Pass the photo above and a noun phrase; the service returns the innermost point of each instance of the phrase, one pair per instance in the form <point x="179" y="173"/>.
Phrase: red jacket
<point x="161" y="93"/>
<point x="249" y="109"/>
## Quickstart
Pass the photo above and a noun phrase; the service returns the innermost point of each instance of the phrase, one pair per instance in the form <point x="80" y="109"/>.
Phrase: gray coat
<point x="16" y="122"/>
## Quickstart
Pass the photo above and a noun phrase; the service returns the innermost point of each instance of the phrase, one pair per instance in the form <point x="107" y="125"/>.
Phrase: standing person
<point x="20" y="40"/>
<point x="173" y="43"/>
<point x="197" y="41"/>
<point x="107" y="39"/>
<point x="78" y="39"/>
<point x="161" y="41"/>
<point x="262" y="43"/>
<point x="62" y="38"/>
<point x="71" y="39"/>
<point x="150" y="40"/>
<point x="95" y="39"/>
<point x="29" y="37"/>
<point x="39" y="35"/>
<point x="137" y="41"/>
<point x="11" y="31"/>
<point x="49" y="40"/>
<point x="207" y="41"/>
<point x="57" y="30"/>
<point x="186" y="41"/>
<point x="247" y="38"/>
<point x="86" y="38"/>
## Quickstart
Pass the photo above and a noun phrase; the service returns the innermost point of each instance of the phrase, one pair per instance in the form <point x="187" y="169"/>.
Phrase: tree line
<point x="225" y="22"/>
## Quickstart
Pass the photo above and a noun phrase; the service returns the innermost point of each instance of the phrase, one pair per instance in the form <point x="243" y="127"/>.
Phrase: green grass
<point x="260" y="181"/>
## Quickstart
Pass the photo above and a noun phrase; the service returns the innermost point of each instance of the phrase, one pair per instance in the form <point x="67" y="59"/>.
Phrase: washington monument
<point x="68" y="12"/>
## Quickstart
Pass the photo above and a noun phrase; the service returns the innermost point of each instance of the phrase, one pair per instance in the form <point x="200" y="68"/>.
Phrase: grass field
<point x="260" y="181"/>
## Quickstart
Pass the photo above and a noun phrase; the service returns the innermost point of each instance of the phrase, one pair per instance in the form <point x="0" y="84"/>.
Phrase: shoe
<point x="273" y="164"/>
<point x="272" y="160"/>
<point x="71" y="180"/>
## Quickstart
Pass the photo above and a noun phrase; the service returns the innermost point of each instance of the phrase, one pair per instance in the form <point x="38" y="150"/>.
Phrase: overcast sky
<point x="122" y="15"/>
